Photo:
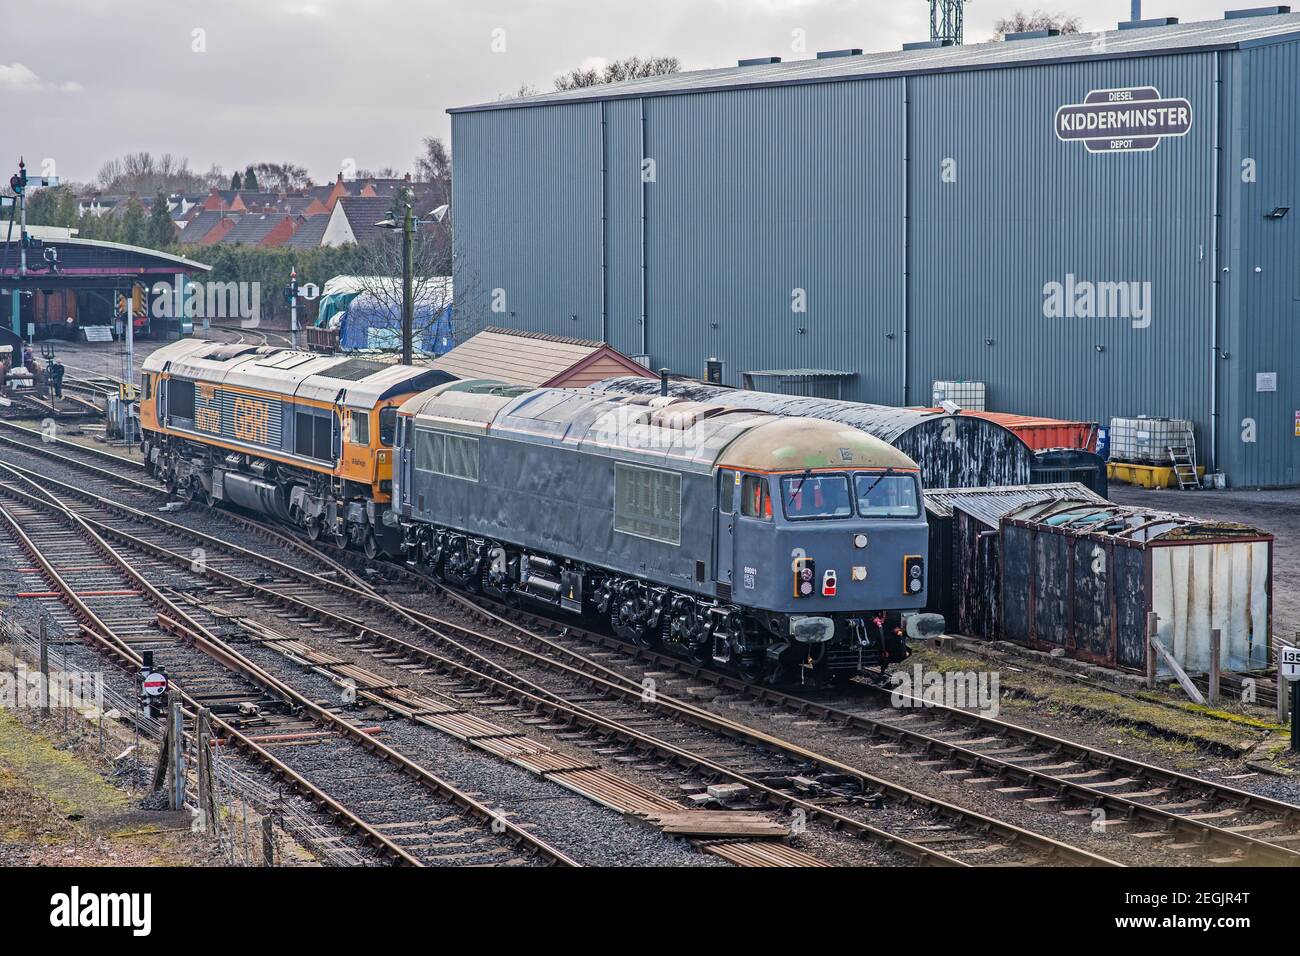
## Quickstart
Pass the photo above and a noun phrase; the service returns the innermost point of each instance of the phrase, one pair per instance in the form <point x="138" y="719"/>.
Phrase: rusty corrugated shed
<point x="990" y="504"/>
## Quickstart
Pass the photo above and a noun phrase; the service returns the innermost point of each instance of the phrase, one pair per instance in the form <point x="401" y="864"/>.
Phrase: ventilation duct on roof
<point x="831" y="54"/>
<point x="1255" y="12"/>
<point x="759" y="61"/>
<point x="927" y="44"/>
<point x="1153" y="22"/>
<point x="1032" y="35"/>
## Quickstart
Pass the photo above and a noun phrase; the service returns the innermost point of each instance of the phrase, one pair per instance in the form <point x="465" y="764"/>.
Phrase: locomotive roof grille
<point x="354" y="370"/>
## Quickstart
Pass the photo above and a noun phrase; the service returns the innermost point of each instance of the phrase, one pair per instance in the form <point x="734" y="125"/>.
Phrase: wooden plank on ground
<point x="719" y="823"/>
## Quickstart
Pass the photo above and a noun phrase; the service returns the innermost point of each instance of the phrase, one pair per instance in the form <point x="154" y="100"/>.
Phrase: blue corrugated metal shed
<point x="904" y="217"/>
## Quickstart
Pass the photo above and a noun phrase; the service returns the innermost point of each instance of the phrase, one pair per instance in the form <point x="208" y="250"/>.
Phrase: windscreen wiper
<point x="798" y="488"/>
<point x="883" y="475"/>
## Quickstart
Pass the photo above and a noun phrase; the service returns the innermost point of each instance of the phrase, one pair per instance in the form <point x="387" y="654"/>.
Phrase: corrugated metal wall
<point x="837" y="191"/>
<point x="1027" y="209"/>
<point x="528" y="223"/>
<point x="1261" y="319"/>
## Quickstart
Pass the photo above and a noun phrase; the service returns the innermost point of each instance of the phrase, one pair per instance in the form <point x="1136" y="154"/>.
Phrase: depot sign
<point x="1124" y="120"/>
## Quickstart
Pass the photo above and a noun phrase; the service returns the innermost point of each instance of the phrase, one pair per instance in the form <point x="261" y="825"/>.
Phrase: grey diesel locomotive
<point x="778" y="547"/>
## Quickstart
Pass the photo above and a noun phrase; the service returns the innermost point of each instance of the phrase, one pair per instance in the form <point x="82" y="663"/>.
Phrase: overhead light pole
<point x="407" y="225"/>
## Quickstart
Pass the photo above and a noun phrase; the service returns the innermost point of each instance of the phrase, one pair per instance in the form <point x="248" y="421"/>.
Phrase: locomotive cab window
<point x="886" y="495"/>
<point x="387" y="425"/>
<point x="755" y="502"/>
<point x="180" y="399"/>
<point x="726" y="492"/>
<point x="816" y="496"/>
<point x="648" y="503"/>
<point x="359" y="428"/>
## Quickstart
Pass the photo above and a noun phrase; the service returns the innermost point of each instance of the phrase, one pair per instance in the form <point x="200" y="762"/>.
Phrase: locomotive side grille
<point x="724" y="591"/>
<point x="234" y="415"/>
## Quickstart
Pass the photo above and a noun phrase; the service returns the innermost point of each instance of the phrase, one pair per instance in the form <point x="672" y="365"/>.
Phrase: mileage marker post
<point x="1288" y="669"/>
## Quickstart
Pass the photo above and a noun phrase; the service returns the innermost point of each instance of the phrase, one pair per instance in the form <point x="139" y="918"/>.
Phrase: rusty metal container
<point x="1082" y="576"/>
<point x="964" y="583"/>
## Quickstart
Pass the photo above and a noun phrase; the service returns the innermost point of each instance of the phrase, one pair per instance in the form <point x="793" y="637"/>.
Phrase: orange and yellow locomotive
<point x="304" y="437"/>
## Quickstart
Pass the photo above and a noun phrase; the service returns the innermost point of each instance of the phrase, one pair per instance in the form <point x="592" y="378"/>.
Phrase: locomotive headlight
<point x="804" y="571"/>
<point x="913" y="574"/>
<point x="859" y="541"/>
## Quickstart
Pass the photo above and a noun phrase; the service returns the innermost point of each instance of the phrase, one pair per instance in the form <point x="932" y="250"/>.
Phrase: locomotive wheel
<point x="752" y="666"/>
<point x="312" y="527"/>
<point x="371" y="546"/>
<point x="340" y="539"/>
<point x="172" y="486"/>
<point x="629" y="632"/>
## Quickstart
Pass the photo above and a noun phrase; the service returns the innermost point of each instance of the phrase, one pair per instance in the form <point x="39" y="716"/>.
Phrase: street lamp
<point x="407" y="225"/>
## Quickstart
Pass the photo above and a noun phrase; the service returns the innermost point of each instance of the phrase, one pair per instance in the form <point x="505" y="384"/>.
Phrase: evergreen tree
<point x="56" y="206"/>
<point x="250" y="179"/>
<point x="133" y="224"/>
<point x="160" y="232"/>
<point x="236" y="182"/>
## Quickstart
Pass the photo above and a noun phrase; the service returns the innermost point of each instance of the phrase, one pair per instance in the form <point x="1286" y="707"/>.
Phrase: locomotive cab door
<point x="724" y="540"/>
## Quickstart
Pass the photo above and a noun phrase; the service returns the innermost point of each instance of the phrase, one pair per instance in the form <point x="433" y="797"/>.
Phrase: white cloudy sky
<point x="318" y="81"/>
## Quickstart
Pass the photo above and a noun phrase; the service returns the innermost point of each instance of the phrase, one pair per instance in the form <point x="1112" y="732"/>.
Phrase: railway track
<point x="1186" y="814"/>
<point x="1173" y="811"/>
<point x="398" y="808"/>
<point x="611" y="716"/>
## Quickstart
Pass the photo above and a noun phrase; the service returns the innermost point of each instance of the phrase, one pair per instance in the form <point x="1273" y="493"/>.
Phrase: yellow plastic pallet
<point x="1145" y="476"/>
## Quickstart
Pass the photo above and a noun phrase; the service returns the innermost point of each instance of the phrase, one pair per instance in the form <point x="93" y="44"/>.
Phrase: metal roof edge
<point x="1268" y="41"/>
<point x="861" y="77"/>
<point x="137" y="250"/>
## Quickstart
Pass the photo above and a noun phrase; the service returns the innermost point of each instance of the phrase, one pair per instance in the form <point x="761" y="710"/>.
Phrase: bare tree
<point x="628" y="68"/>
<point x="380" y="276"/>
<point x="282" y="176"/>
<point x="215" y="177"/>
<point x="433" y="166"/>
<point x="1022" y="22"/>
<point x="145" y="174"/>
<point x="524" y="89"/>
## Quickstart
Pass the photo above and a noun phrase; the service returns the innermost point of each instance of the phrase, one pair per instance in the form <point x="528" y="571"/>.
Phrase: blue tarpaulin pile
<point x="366" y="311"/>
